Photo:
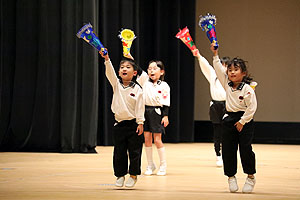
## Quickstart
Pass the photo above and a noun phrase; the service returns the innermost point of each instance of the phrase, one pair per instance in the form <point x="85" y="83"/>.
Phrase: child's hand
<point x="140" y="129"/>
<point x="106" y="57"/>
<point x="239" y="126"/>
<point x="212" y="48"/>
<point x="165" y="121"/>
<point x="129" y="56"/>
<point x="196" y="53"/>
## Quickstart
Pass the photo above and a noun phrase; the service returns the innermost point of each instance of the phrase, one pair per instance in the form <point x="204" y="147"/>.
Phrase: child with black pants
<point x="238" y="128"/>
<point x="234" y="139"/>
<point x="128" y="108"/>
<point x="217" y="104"/>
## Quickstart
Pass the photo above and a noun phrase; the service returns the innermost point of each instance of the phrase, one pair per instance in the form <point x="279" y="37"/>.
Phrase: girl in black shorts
<point x="157" y="101"/>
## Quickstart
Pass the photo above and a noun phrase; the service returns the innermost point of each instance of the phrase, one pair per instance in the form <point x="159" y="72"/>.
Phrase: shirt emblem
<point x="165" y="94"/>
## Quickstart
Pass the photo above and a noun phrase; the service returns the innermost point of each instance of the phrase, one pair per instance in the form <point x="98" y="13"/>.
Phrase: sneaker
<point x="131" y="182"/>
<point x="150" y="169"/>
<point x="120" y="181"/>
<point x="162" y="170"/>
<point x="233" y="187"/>
<point x="249" y="185"/>
<point x="219" y="161"/>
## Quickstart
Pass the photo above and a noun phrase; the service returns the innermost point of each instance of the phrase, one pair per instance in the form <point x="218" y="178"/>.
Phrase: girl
<point x="238" y="125"/>
<point x="128" y="108"/>
<point x="157" y="101"/>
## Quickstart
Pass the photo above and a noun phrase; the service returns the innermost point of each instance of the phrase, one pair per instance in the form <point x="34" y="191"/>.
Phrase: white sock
<point x="162" y="156"/>
<point x="149" y="155"/>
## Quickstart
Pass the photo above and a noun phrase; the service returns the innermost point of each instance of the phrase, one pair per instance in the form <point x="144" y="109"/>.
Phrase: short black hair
<point x="225" y="60"/>
<point x="132" y="62"/>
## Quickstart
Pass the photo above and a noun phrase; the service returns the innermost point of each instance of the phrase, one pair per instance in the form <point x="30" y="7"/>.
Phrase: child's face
<point x="235" y="74"/>
<point x="154" y="72"/>
<point x="126" y="72"/>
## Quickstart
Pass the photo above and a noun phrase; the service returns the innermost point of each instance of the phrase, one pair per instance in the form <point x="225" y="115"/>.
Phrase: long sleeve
<point x="207" y="70"/>
<point x="251" y="103"/>
<point x="140" y="108"/>
<point x="142" y="78"/>
<point x="217" y="91"/>
<point x="220" y="71"/>
<point x="166" y="94"/>
<point x="110" y="73"/>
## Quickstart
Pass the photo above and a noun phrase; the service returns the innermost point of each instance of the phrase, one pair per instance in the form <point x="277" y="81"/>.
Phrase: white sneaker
<point x="150" y="169"/>
<point x="233" y="187"/>
<point x="130" y="182"/>
<point x="162" y="170"/>
<point x="120" y="181"/>
<point x="249" y="185"/>
<point x="219" y="161"/>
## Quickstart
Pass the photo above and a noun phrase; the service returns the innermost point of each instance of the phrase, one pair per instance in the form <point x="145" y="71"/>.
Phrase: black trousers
<point x="217" y="138"/>
<point x="127" y="143"/>
<point x="216" y="113"/>
<point x="233" y="140"/>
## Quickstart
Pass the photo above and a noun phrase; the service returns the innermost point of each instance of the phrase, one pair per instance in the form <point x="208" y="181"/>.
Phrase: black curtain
<point x="155" y="24"/>
<point x="54" y="94"/>
<point x="49" y="79"/>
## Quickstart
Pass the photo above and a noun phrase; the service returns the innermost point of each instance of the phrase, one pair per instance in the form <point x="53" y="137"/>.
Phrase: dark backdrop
<point x="54" y="95"/>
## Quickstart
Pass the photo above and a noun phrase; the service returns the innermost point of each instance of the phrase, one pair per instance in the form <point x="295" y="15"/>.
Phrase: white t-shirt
<point x="128" y="101"/>
<point x="155" y="94"/>
<point x="241" y="99"/>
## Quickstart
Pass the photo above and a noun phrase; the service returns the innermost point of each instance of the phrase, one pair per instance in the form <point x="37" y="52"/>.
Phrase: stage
<point x="191" y="174"/>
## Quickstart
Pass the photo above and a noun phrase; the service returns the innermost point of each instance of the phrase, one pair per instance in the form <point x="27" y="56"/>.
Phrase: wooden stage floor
<point x="192" y="175"/>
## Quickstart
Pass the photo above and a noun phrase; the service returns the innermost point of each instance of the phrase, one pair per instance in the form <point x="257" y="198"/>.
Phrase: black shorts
<point x="153" y="120"/>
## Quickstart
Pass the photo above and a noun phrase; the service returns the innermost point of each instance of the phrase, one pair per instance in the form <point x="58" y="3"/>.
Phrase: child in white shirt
<point x="238" y="125"/>
<point x="217" y="104"/>
<point x="157" y="101"/>
<point x="128" y="108"/>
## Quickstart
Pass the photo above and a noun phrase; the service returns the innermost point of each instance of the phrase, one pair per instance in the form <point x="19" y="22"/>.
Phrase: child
<point x="128" y="108"/>
<point x="157" y="101"/>
<point x="238" y="125"/>
<point x="217" y="105"/>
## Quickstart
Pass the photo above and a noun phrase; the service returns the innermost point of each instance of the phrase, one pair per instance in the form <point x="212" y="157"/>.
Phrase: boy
<point x="128" y="108"/>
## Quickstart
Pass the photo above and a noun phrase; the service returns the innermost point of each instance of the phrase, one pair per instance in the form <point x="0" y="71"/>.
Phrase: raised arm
<point x="207" y="70"/>
<point x="220" y="71"/>
<point x="109" y="70"/>
<point x="142" y="78"/>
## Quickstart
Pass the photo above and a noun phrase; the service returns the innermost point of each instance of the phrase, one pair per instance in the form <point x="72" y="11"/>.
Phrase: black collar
<point x="158" y="82"/>
<point x="239" y="87"/>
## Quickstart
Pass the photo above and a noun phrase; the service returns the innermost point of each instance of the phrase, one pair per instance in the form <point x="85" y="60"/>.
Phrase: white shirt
<point x="155" y="94"/>
<point x="217" y="91"/>
<point x="241" y="99"/>
<point x="128" y="101"/>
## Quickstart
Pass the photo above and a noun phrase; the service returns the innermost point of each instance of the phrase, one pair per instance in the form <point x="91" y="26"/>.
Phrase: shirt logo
<point x="165" y="94"/>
